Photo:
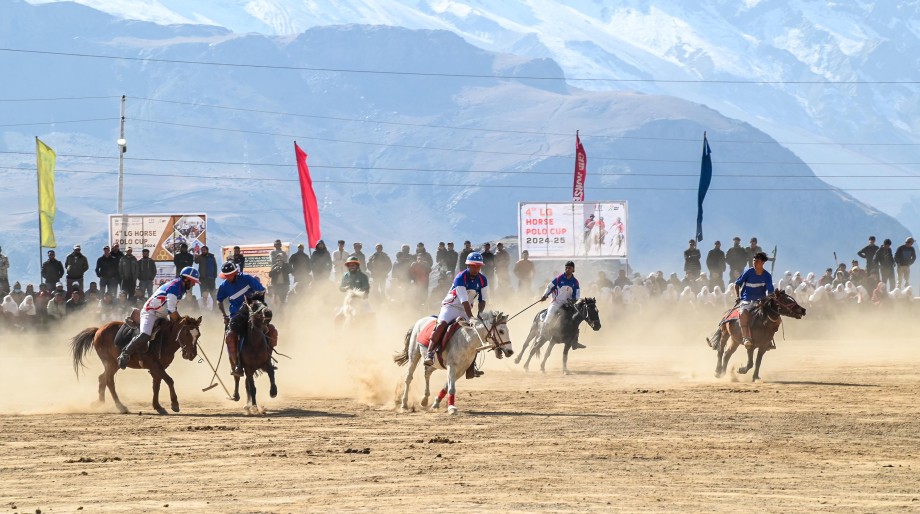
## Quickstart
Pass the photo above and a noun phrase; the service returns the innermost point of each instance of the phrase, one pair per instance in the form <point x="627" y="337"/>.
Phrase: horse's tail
<point x="402" y="358"/>
<point x="80" y="345"/>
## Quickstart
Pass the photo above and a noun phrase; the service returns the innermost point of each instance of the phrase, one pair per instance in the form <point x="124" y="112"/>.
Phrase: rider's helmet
<point x="228" y="270"/>
<point x="474" y="259"/>
<point x="352" y="261"/>
<point x="190" y="273"/>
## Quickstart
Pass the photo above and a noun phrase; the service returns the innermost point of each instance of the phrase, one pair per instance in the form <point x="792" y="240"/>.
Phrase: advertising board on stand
<point x="160" y="233"/>
<point x="573" y="230"/>
<point x="258" y="258"/>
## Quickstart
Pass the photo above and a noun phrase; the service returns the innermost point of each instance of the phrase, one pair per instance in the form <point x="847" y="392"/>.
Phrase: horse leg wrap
<point x="442" y="394"/>
<point x="450" y="400"/>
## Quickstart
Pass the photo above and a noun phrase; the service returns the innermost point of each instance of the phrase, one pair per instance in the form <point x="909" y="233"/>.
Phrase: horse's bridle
<point x="184" y="327"/>
<point x="492" y="335"/>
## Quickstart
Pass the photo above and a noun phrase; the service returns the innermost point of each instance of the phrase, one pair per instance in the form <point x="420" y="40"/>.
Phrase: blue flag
<point x="705" y="179"/>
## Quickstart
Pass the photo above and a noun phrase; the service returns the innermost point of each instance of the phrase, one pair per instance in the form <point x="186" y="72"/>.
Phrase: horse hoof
<point x="742" y="371"/>
<point x="160" y="410"/>
<point x="97" y="403"/>
<point x="451" y="410"/>
<point x="718" y="374"/>
<point x="424" y="402"/>
<point x="122" y="409"/>
<point x="273" y="392"/>
<point x="235" y="397"/>
<point x="526" y="368"/>
<point x="175" y="407"/>
<point x="565" y="372"/>
<point x="542" y="370"/>
<point x="435" y="406"/>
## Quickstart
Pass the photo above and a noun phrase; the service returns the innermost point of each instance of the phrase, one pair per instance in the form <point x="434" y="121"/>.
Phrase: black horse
<point x="765" y="321"/>
<point x="565" y="331"/>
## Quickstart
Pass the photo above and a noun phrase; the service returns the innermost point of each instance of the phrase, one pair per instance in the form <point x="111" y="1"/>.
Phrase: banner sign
<point x="573" y="230"/>
<point x="258" y="258"/>
<point x="160" y="233"/>
<point x="581" y="171"/>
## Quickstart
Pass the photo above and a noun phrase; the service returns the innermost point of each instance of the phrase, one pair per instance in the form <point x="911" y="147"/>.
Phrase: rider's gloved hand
<point x="226" y="320"/>
<point x="543" y="298"/>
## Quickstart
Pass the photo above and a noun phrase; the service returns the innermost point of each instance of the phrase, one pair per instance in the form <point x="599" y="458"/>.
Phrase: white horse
<point x="355" y="309"/>
<point x="489" y="332"/>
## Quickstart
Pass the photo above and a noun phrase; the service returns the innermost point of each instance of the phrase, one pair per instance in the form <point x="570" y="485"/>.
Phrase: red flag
<point x="310" y="208"/>
<point x="581" y="171"/>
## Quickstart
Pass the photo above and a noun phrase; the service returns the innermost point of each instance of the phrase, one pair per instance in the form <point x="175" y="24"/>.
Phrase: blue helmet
<point x="190" y="272"/>
<point x="474" y="258"/>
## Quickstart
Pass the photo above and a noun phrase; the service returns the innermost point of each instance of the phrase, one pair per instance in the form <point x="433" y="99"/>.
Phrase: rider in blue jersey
<point x="237" y="288"/>
<point x="468" y="285"/>
<point x="751" y="287"/>
<point x="563" y="289"/>
<point x="163" y="303"/>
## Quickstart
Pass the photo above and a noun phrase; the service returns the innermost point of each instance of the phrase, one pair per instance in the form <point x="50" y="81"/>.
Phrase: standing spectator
<point x="300" y="264"/>
<point x="440" y="253"/>
<point x="339" y="256"/>
<point x="904" y="257"/>
<point x="404" y="260"/>
<point x="76" y="265"/>
<point x="116" y="252"/>
<point x="868" y="252"/>
<point x="278" y="251"/>
<point x="357" y="253"/>
<point x="827" y="278"/>
<point x="279" y="274"/>
<point x="464" y="253"/>
<point x="692" y="264"/>
<point x="859" y="276"/>
<point x="127" y="272"/>
<point x="715" y="263"/>
<point x="884" y="261"/>
<point x="52" y="270"/>
<point x="379" y="267"/>
<point x="736" y="258"/>
<point x="321" y="263"/>
<point x="602" y="281"/>
<point x="622" y="280"/>
<point x="420" y="250"/>
<point x="450" y="258"/>
<point x="107" y="271"/>
<point x="752" y="250"/>
<point x="488" y="260"/>
<point x="524" y="271"/>
<point x="207" y="273"/>
<point x="238" y="259"/>
<point x="182" y="259"/>
<point x="146" y="272"/>
<point x="419" y="272"/>
<point x="502" y="265"/>
<point x="4" y="273"/>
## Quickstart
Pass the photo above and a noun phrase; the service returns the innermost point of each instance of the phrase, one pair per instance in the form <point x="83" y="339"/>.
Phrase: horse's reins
<point x="496" y="341"/>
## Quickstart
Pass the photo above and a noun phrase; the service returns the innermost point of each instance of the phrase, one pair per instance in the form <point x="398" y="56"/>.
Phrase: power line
<point x="57" y="122"/>
<point x="57" y="98"/>
<point x="458" y="75"/>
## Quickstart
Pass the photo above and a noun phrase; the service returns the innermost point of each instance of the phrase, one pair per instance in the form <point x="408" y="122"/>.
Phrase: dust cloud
<point x="652" y="344"/>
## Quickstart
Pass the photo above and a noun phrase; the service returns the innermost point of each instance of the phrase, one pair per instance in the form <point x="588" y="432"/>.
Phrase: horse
<point x="255" y="354"/>
<point x="173" y="335"/>
<point x="765" y="321"/>
<point x="566" y="331"/>
<point x="457" y="355"/>
<point x="354" y="306"/>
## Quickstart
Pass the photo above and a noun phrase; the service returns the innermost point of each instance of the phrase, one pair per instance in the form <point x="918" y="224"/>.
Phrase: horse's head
<point x="587" y="310"/>
<point x="787" y="306"/>
<point x="496" y="325"/>
<point x="188" y="335"/>
<point x="259" y="314"/>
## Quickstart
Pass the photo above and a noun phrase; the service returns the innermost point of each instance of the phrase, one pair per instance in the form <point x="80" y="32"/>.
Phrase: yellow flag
<point x="47" y="206"/>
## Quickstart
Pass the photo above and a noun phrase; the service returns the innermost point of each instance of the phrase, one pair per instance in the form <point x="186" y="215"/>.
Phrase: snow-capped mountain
<point x="393" y="156"/>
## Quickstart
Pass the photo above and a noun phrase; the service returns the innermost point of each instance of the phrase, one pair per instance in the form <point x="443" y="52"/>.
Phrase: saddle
<point x="130" y="328"/>
<point x="734" y="314"/>
<point x="424" y="335"/>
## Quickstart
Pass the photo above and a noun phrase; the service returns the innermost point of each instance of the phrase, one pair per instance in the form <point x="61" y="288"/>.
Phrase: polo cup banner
<point x="581" y="171"/>
<point x="162" y="234"/>
<point x="573" y="230"/>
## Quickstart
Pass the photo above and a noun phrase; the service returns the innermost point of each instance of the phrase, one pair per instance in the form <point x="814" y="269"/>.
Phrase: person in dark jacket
<point x="127" y="273"/>
<point x="488" y="260"/>
<point x="300" y="263"/>
<point x="692" y="264"/>
<point x="321" y="263"/>
<point x="379" y="266"/>
<point x="280" y="276"/>
<point x="464" y="253"/>
<point x="238" y="259"/>
<point x="420" y="250"/>
<point x="715" y="263"/>
<point x="207" y="273"/>
<point x="75" y="266"/>
<point x="146" y="272"/>
<point x="400" y="272"/>
<point x="450" y="258"/>
<point x="868" y="253"/>
<point x="736" y="258"/>
<point x="52" y="270"/>
<point x="182" y="259"/>
<point x="904" y="257"/>
<point x="107" y="271"/>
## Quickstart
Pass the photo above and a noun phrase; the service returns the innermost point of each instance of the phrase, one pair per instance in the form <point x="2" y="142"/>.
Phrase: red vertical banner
<point x="581" y="171"/>
<point x="310" y="207"/>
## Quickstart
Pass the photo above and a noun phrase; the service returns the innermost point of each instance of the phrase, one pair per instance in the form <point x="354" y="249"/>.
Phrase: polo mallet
<point x="213" y="385"/>
<point x="525" y="308"/>
<point x="215" y="368"/>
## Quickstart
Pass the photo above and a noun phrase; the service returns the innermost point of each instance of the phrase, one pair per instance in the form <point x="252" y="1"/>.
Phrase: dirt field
<point x="641" y="426"/>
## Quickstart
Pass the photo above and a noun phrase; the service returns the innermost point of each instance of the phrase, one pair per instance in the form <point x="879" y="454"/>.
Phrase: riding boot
<point x="435" y="342"/>
<point x="129" y="349"/>
<point x="577" y="346"/>
<point x="233" y="354"/>
<point x="715" y="339"/>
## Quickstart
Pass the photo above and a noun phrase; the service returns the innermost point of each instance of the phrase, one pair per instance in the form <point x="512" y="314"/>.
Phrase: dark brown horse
<point x="182" y="333"/>
<point x="255" y="354"/>
<point x="765" y="321"/>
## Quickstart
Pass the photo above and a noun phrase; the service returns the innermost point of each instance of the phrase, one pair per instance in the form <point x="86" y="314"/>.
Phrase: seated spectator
<point x="27" y="312"/>
<point x="57" y="307"/>
<point x="76" y="302"/>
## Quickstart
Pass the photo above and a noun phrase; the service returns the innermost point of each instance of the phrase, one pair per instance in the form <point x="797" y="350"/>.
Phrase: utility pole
<point x="122" y="148"/>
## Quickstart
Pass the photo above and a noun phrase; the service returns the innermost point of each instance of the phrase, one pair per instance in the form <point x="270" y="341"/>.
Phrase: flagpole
<point x="38" y="201"/>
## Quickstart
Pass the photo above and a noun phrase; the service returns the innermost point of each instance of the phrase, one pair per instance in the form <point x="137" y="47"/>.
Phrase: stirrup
<point x="238" y="372"/>
<point x="123" y="361"/>
<point x="429" y="359"/>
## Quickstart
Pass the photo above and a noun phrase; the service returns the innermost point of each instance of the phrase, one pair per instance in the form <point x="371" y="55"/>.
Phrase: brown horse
<point x="182" y="333"/>
<point x="765" y="321"/>
<point x="255" y="354"/>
